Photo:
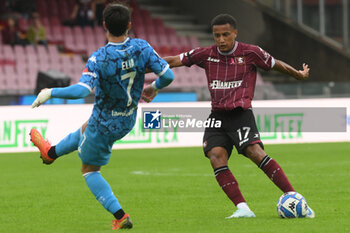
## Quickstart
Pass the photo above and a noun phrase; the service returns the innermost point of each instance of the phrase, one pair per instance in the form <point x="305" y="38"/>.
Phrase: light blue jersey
<point x="117" y="72"/>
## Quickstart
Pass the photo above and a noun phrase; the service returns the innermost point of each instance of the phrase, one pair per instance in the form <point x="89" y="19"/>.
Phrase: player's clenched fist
<point x="304" y="73"/>
<point x="148" y="93"/>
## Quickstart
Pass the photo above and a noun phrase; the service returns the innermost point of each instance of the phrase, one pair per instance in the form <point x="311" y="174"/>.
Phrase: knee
<point x="89" y="168"/>
<point x="218" y="157"/>
<point x="255" y="153"/>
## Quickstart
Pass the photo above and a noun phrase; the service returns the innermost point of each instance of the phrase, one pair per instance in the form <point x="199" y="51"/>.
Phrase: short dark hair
<point x="117" y="18"/>
<point x="224" y="19"/>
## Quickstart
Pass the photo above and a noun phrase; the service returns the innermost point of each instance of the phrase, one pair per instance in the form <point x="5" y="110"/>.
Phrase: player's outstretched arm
<point x="289" y="70"/>
<point x="150" y="91"/>
<point x="44" y="95"/>
<point x="173" y="61"/>
<point x="75" y="91"/>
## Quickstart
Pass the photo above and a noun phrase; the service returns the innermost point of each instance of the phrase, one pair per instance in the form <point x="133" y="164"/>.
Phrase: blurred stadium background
<point x="174" y="189"/>
<point x="296" y="31"/>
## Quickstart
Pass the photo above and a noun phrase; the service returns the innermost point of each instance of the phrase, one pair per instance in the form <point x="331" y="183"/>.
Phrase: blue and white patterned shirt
<point x="117" y="72"/>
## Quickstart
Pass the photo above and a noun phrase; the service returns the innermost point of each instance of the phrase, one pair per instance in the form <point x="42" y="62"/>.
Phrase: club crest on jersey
<point x="218" y="84"/>
<point x="213" y="59"/>
<point x="240" y="60"/>
<point x="205" y="143"/>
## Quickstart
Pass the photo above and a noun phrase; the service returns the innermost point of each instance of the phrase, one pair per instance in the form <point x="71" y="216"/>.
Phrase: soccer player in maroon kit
<point x="231" y="69"/>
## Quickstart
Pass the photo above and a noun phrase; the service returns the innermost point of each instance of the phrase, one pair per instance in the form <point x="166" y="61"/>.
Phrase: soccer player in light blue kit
<point x="117" y="72"/>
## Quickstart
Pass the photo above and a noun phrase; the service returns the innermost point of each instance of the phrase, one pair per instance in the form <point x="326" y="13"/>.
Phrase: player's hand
<point x="148" y="93"/>
<point x="303" y="74"/>
<point x="44" y="95"/>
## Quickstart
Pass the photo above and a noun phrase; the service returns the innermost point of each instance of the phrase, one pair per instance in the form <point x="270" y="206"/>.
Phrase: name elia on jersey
<point x="128" y="64"/>
<point x="218" y="84"/>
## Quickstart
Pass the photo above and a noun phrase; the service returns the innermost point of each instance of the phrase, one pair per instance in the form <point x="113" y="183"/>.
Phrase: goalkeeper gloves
<point x="43" y="96"/>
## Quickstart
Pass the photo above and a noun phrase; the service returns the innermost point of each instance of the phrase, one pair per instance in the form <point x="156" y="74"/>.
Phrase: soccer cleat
<point x="242" y="213"/>
<point x="310" y="213"/>
<point x="43" y="146"/>
<point x="123" y="223"/>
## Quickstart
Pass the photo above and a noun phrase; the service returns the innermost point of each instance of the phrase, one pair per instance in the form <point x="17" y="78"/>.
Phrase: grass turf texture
<point x="174" y="190"/>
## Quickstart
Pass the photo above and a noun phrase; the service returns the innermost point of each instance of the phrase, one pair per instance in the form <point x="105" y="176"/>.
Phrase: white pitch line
<point x="144" y="173"/>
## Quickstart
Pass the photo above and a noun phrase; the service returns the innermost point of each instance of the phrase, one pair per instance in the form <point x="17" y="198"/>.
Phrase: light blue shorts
<point x="95" y="148"/>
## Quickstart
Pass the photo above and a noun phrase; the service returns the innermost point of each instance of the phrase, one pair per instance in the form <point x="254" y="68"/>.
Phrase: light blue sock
<point x="68" y="144"/>
<point x="102" y="191"/>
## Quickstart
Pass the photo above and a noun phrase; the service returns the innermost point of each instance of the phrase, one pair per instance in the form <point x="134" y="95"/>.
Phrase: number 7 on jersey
<point x="131" y="76"/>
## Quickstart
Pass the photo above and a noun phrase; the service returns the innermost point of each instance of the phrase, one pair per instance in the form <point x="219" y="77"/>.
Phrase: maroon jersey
<point x="231" y="76"/>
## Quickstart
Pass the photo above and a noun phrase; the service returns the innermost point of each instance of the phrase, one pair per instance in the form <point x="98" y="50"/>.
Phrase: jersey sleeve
<point x="90" y="73"/>
<point x="195" y="56"/>
<point x="154" y="62"/>
<point x="262" y="59"/>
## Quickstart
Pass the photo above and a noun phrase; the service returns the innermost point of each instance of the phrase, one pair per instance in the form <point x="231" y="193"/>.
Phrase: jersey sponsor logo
<point x="152" y="120"/>
<point x="213" y="59"/>
<point x="240" y="60"/>
<point x="124" y="114"/>
<point x="218" y="84"/>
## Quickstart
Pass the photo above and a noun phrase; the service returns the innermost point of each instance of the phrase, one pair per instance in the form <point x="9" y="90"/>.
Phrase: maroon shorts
<point x="238" y="128"/>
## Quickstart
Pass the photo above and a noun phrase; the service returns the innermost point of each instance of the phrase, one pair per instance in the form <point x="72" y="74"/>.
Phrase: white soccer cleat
<point x="310" y="213"/>
<point x="242" y="213"/>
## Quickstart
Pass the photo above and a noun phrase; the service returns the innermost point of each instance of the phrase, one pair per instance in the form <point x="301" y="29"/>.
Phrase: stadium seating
<point x="144" y="26"/>
<point x="164" y="39"/>
<point x="20" y="64"/>
<point x="184" y="77"/>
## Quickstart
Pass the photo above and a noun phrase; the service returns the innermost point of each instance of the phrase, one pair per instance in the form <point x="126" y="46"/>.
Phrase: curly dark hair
<point x="224" y="19"/>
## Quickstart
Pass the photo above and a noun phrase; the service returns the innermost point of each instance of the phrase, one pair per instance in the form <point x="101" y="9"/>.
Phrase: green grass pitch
<point x="174" y="190"/>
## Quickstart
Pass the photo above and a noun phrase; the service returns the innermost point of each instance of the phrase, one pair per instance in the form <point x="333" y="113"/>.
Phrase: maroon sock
<point x="229" y="184"/>
<point x="276" y="174"/>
